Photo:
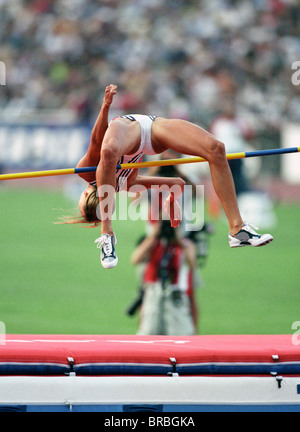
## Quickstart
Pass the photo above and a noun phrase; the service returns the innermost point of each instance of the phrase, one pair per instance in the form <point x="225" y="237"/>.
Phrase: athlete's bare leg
<point x="187" y="138"/>
<point x="122" y="137"/>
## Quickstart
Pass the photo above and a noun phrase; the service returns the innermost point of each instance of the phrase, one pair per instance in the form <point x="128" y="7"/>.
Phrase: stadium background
<point x="172" y="58"/>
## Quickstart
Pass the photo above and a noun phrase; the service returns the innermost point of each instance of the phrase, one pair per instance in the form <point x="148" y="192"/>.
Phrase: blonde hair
<point x="89" y="212"/>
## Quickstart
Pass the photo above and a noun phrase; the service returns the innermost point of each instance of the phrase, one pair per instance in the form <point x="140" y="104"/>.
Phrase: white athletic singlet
<point x="145" y="149"/>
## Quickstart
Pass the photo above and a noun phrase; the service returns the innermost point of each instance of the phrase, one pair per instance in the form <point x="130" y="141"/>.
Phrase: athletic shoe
<point x="108" y="255"/>
<point x="248" y="237"/>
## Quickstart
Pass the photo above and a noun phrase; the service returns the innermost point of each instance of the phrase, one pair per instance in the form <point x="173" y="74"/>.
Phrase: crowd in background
<point x="175" y="58"/>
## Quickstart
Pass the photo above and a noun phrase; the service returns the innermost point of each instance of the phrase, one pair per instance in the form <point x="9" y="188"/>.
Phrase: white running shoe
<point x="248" y="237"/>
<point x="108" y="255"/>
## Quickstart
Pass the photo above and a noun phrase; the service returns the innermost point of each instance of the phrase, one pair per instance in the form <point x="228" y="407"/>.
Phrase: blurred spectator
<point x="168" y="262"/>
<point x="234" y="132"/>
<point x="60" y="54"/>
<point x="167" y="267"/>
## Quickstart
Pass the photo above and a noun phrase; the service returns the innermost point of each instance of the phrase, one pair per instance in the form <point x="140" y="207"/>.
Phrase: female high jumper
<point x="127" y="139"/>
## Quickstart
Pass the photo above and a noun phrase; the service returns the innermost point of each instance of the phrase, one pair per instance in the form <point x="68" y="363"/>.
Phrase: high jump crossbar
<point x="185" y="160"/>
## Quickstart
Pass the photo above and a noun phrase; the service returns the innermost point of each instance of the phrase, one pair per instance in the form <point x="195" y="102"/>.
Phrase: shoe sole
<point x="264" y="243"/>
<point x="110" y="265"/>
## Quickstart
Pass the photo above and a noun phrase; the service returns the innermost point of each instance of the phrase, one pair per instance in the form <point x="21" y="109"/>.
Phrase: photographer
<point x="167" y="263"/>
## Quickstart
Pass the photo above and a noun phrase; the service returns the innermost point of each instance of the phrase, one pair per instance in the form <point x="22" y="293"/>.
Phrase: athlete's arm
<point x="173" y="185"/>
<point x="92" y="156"/>
<point x="101" y="124"/>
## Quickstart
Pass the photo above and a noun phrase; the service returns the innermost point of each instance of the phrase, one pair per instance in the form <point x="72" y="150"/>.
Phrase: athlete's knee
<point x="109" y="151"/>
<point x="216" y="151"/>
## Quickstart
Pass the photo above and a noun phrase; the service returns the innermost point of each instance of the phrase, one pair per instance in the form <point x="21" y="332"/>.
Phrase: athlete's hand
<point x="110" y="91"/>
<point x="173" y="210"/>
